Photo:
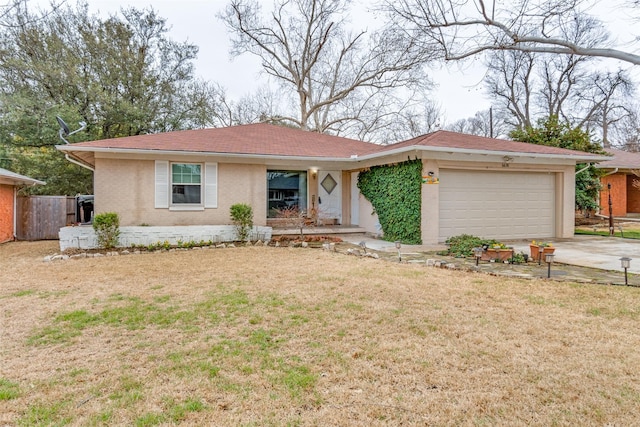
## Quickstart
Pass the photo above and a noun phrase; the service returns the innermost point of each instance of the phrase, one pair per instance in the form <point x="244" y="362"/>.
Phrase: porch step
<point x="334" y="229"/>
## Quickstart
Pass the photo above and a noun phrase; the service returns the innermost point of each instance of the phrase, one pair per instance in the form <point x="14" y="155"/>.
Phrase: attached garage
<point x="497" y="205"/>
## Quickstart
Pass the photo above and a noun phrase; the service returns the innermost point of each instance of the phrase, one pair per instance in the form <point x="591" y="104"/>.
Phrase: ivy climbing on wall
<point x="395" y="191"/>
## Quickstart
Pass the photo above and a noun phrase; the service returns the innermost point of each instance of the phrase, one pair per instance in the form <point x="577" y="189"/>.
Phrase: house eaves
<point x="71" y="150"/>
<point x="12" y="178"/>
<point x="582" y="157"/>
<point x="381" y="154"/>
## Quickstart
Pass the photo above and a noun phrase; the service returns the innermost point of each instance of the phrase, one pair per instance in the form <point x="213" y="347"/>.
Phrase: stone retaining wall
<point x="83" y="237"/>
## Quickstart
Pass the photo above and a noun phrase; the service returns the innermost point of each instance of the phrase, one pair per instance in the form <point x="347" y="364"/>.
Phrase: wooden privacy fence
<point x="41" y="217"/>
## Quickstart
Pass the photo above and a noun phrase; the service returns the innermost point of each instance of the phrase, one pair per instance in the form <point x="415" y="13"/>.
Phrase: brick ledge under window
<point x="186" y="208"/>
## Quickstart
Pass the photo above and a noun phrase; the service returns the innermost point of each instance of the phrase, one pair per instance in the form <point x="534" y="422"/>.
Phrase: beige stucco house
<point x="487" y="187"/>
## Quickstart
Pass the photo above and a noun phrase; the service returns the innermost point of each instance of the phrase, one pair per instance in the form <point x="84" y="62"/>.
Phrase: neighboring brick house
<point x="487" y="187"/>
<point x="621" y="173"/>
<point x="9" y="184"/>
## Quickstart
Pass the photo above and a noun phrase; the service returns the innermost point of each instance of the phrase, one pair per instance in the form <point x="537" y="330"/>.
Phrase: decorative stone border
<point x="138" y="251"/>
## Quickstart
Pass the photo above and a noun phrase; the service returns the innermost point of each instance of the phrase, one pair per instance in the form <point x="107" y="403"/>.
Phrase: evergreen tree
<point x="553" y="133"/>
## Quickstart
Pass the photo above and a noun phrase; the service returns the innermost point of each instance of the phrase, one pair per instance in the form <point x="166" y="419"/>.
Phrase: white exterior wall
<point x="367" y="219"/>
<point x="84" y="237"/>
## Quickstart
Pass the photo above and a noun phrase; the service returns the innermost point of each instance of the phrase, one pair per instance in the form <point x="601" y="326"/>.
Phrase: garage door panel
<point x="499" y="205"/>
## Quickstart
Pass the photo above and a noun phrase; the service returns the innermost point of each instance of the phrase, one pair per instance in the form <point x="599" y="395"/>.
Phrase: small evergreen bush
<point x="242" y="217"/>
<point x="462" y="245"/>
<point x="107" y="228"/>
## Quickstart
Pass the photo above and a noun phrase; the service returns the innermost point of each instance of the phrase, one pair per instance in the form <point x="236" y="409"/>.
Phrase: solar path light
<point x="548" y="258"/>
<point x="477" y="252"/>
<point x="625" y="263"/>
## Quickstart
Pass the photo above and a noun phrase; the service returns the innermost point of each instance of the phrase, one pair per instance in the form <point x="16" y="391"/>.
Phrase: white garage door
<point x="497" y="205"/>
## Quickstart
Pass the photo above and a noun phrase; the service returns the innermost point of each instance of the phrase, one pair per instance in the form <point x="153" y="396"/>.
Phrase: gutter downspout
<point x="611" y="173"/>
<point x="75" y="162"/>
<point x="585" y="168"/>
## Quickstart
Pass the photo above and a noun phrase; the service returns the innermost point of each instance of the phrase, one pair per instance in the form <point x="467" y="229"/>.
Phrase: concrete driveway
<point x="593" y="251"/>
<point x="585" y="251"/>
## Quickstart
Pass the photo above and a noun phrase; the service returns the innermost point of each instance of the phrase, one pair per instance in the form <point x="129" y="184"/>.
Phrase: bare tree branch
<point x="322" y="67"/>
<point x="461" y="29"/>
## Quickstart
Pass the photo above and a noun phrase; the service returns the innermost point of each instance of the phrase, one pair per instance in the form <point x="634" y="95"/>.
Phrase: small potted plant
<point x="497" y="251"/>
<point x="539" y="249"/>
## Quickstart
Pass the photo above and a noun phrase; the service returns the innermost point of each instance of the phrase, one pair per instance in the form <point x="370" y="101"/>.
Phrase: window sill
<point x="186" y="208"/>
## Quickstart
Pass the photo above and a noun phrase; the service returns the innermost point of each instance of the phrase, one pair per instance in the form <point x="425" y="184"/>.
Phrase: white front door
<point x="330" y="195"/>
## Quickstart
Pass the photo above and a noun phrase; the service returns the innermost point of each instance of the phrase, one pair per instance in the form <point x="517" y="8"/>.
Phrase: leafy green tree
<point x="122" y="75"/>
<point x="552" y="132"/>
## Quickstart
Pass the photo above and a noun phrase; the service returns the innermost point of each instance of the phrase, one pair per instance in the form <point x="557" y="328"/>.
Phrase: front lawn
<point x="627" y="234"/>
<point x="279" y="336"/>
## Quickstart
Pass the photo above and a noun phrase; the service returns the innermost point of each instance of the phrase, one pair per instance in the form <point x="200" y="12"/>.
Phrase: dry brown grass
<point x="279" y="336"/>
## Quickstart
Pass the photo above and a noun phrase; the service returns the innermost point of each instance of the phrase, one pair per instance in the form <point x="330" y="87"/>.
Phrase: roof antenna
<point x="65" y="131"/>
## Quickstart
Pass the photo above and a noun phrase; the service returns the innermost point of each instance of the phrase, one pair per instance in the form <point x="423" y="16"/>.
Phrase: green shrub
<point x="462" y="245"/>
<point x="107" y="228"/>
<point x="242" y="217"/>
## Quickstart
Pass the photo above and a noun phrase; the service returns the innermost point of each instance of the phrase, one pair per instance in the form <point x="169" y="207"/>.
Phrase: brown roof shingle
<point x="260" y="139"/>
<point x="447" y="139"/>
<point x="621" y="159"/>
<point x="269" y="140"/>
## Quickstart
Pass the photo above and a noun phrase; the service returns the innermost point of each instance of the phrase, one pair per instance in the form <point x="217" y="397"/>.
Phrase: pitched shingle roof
<point x="447" y="139"/>
<point x="621" y="159"/>
<point x="269" y="140"/>
<point x="261" y="138"/>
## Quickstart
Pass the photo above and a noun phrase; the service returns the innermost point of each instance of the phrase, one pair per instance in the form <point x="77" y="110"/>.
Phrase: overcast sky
<point x="459" y="91"/>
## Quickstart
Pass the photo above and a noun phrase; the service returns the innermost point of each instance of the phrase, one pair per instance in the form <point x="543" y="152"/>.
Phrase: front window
<point x="186" y="183"/>
<point x="287" y="190"/>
